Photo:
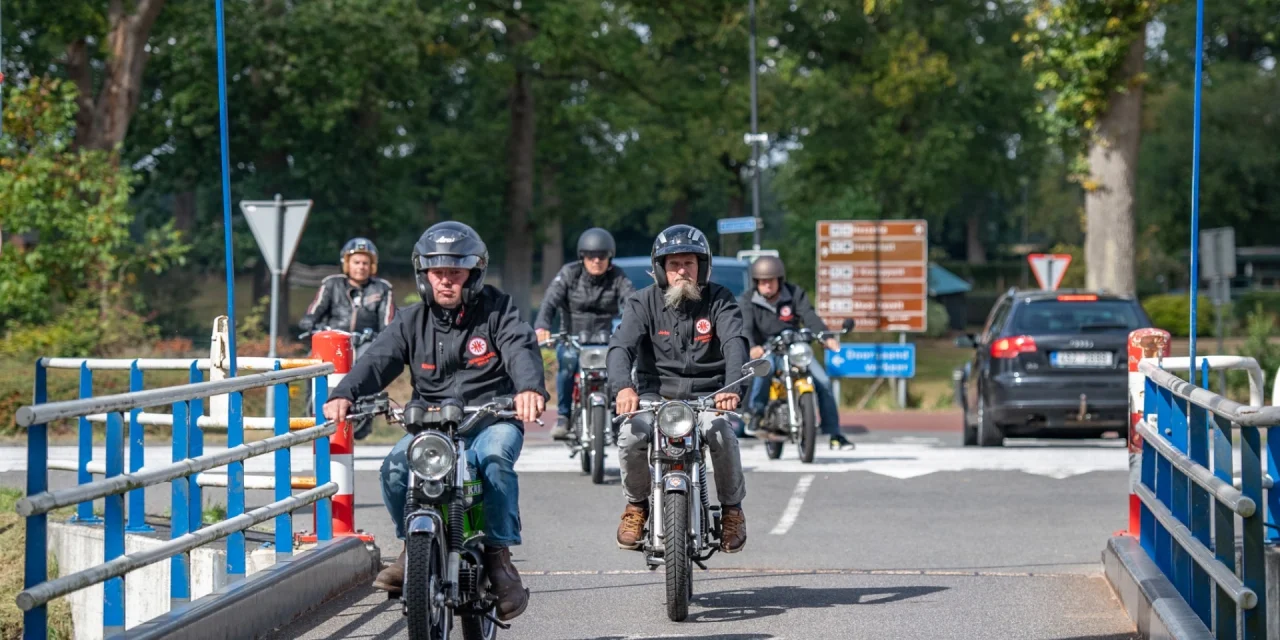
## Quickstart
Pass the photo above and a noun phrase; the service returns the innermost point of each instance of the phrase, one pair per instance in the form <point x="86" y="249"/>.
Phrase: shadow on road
<point x="1113" y="636"/>
<point x="752" y="604"/>
<point x="722" y="636"/>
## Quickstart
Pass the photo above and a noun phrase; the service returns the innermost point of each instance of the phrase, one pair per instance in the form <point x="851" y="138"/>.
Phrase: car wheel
<point x="988" y="434"/>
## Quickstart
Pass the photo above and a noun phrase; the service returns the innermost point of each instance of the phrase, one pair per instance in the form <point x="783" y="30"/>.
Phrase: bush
<point x="1260" y="325"/>
<point x="78" y="333"/>
<point x="1172" y="312"/>
<point x="939" y="321"/>
<point x="1246" y="304"/>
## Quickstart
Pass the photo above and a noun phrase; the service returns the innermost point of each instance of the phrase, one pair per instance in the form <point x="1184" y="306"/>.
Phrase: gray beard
<point x="676" y="294"/>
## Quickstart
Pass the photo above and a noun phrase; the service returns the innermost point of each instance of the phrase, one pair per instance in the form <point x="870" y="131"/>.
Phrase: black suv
<point x="1049" y="363"/>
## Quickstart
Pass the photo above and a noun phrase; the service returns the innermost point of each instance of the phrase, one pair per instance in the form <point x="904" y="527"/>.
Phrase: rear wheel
<point x="598" y="420"/>
<point x="578" y="421"/>
<point x="423" y="582"/>
<point x="478" y="628"/>
<point x="989" y="434"/>
<point x="675" y="524"/>
<point x="808" y="426"/>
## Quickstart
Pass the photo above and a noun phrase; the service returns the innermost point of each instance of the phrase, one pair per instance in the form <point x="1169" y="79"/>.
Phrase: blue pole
<point x="113" y="590"/>
<point x="226" y="193"/>
<point x="84" y="511"/>
<point x="35" y="623"/>
<point x="195" y="449"/>
<point x="324" y="508"/>
<point x="284" y="472"/>
<point x="1195" y="184"/>
<point x="235" y="486"/>
<point x="180" y="518"/>
<point x="137" y="455"/>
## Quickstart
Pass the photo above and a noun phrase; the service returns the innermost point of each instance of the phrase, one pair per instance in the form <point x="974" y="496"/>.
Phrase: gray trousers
<point x="726" y="462"/>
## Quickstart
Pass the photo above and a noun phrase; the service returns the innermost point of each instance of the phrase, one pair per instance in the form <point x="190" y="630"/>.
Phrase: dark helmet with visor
<point x="450" y="245"/>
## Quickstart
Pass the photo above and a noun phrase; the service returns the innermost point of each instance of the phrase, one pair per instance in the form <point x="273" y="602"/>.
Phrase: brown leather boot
<point x="504" y="582"/>
<point x="632" y="527"/>
<point x="733" y="526"/>
<point x="391" y="578"/>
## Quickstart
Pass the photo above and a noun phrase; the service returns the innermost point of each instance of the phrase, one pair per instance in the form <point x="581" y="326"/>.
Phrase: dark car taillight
<point x="1006" y="348"/>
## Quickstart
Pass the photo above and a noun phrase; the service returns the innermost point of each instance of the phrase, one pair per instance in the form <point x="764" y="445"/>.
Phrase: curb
<point x="271" y="598"/>
<point x="1150" y="599"/>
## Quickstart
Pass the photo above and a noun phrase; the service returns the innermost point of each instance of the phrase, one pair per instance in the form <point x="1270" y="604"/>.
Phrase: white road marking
<point x="1053" y="459"/>
<point x="792" y="511"/>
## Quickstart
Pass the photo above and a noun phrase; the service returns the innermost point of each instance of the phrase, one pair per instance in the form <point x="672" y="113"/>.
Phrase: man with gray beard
<point x="684" y="336"/>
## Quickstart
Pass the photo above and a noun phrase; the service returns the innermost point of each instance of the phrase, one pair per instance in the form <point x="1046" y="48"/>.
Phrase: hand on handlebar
<point x="757" y="352"/>
<point x="543" y="335"/>
<point x="529" y="406"/>
<point x="336" y="410"/>
<point x="628" y="401"/>
<point x="833" y="344"/>
<point x="726" y="401"/>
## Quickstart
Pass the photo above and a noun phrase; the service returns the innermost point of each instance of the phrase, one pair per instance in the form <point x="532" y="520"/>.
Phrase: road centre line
<point x="792" y="511"/>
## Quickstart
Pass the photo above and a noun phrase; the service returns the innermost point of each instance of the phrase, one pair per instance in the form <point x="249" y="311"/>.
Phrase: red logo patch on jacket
<point x="479" y="347"/>
<point x="785" y="315"/>
<point x="703" y="327"/>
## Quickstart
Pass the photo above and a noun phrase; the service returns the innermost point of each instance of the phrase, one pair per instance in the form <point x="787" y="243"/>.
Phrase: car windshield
<point x="1057" y="317"/>
<point x="732" y="277"/>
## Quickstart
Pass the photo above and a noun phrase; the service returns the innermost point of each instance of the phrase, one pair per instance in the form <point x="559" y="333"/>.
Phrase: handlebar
<point x="557" y="338"/>
<point x="380" y="404"/>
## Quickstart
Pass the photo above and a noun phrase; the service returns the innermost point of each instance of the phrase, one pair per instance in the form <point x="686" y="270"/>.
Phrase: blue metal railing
<point x="188" y="460"/>
<point x="1189" y="504"/>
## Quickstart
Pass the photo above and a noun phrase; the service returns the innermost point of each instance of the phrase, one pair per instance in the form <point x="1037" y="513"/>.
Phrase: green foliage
<point x="938" y="320"/>
<point x="1260" y="327"/>
<point x="79" y="333"/>
<point x="1248" y="303"/>
<point x="1172" y="312"/>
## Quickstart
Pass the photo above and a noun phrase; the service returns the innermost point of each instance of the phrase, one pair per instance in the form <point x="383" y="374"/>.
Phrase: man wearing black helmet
<point x="772" y="306"/>
<point x="465" y="341"/>
<point x="354" y="300"/>
<point x="684" y="336"/>
<point x="587" y="295"/>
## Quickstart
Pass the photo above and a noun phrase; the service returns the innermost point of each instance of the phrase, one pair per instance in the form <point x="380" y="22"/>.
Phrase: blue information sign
<point x="872" y="361"/>
<point x="736" y="225"/>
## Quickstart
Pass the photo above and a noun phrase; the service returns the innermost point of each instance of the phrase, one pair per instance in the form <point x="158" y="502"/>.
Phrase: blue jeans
<point x="567" y="357"/>
<point x="492" y="453"/>
<point x="828" y="412"/>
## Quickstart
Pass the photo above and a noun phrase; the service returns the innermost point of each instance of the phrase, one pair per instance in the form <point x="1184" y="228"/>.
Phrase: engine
<point x="776" y="416"/>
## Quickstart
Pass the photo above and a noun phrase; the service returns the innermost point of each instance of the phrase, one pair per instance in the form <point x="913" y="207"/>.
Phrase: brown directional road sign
<point x="874" y="271"/>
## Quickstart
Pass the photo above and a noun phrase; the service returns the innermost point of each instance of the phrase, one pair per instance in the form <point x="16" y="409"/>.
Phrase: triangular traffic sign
<point x="1049" y="268"/>
<point x="277" y="239"/>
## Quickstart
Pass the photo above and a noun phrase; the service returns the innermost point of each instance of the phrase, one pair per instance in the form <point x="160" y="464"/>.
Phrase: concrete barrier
<point x="1150" y="599"/>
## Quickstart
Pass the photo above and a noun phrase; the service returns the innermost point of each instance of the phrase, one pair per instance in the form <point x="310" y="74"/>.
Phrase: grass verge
<point x="13" y="537"/>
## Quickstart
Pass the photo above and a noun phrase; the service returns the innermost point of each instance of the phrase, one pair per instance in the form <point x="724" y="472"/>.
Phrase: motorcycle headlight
<point x="431" y="456"/>
<point x="675" y="419"/>
<point x="801" y="354"/>
<point x="593" y="357"/>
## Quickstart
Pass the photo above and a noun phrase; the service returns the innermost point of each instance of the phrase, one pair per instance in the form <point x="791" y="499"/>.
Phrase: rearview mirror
<point x="847" y="326"/>
<point x="757" y="368"/>
<point x="967" y="341"/>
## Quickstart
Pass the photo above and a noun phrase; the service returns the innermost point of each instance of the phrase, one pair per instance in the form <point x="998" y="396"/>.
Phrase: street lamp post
<point x="755" y="134"/>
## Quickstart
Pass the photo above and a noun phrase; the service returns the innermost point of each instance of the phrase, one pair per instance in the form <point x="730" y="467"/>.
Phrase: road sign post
<point x="874" y="272"/>
<point x="277" y="226"/>
<point x="1218" y="267"/>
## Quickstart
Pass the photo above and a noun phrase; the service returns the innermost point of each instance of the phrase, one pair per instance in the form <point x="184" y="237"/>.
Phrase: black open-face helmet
<point x="680" y="238"/>
<point x="596" y="239"/>
<point x="450" y="245"/>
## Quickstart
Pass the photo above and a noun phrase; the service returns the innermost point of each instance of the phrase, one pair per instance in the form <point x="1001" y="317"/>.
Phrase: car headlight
<point x="431" y="456"/>
<point x="801" y="354"/>
<point x="675" y="419"/>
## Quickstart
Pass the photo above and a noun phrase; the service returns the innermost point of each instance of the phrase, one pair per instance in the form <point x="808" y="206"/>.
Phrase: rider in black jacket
<point x="587" y="295"/>
<point x="355" y="300"/>
<point x="684" y="336"/>
<point x="465" y="341"/>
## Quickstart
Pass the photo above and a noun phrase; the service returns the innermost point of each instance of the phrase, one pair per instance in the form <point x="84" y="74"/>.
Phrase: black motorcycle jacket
<point x="347" y="307"/>
<point x="585" y="303"/>
<point x="679" y="353"/>
<point x="762" y="320"/>
<point x="469" y="354"/>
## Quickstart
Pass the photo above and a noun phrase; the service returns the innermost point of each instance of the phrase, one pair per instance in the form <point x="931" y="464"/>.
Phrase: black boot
<point x="391" y="579"/>
<point x="504" y="582"/>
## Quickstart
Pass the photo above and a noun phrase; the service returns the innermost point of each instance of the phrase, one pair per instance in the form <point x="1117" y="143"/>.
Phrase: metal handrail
<point x="46" y="591"/>
<point x="50" y="500"/>
<point x="1257" y="379"/>
<point x="1223" y="491"/>
<point x="121" y="402"/>
<point x="1240" y="415"/>
<point x="243" y="363"/>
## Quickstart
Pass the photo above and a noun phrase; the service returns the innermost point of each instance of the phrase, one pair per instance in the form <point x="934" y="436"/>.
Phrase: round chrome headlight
<point x="675" y="419"/>
<point x="801" y="354"/>
<point x="431" y="456"/>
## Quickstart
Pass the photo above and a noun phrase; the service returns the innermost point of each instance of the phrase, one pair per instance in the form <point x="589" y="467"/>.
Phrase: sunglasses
<point x="595" y="255"/>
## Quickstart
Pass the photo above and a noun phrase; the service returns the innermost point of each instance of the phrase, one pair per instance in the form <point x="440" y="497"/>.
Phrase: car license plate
<point x="1081" y="359"/>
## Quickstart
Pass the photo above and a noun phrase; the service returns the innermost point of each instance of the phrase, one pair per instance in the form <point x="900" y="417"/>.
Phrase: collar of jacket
<point x="784" y="296"/>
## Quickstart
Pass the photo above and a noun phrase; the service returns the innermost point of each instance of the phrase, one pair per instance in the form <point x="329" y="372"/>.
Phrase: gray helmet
<point x="359" y="245"/>
<point x="680" y="238"/>
<point x="450" y="245"/>
<point x="766" y="267"/>
<point x="596" y="239"/>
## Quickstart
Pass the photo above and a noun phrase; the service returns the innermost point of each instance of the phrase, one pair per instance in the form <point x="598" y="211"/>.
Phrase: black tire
<point x="773" y="450"/>
<point x="989" y="434"/>
<point x="597" y="424"/>
<point x="675" y="524"/>
<point x="808" y="426"/>
<point x="970" y="435"/>
<point x="425" y="566"/>
<point x="478" y="628"/>
<point x="576" y="422"/>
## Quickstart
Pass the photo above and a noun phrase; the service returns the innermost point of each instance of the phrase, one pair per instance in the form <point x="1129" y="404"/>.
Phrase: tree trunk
<point x="680" y="211"/>
<point x="517" y="266"/>
<point x="1109" y="197"/>
<point x="975" y="250"/>
<point x="105" y="123"/>
<point x="552" y="230"/>
<point x="430" y="213"/>
<point x="184" y="211"/>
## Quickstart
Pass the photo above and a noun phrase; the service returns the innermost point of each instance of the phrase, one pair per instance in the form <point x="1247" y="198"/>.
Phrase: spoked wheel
<point x="808" y="426"/>
<point x="675" y="523"/>
<point x="773" y="450"/>
<point x="578" y="420"/>
<point x="429" y="618"/>
<point x="598" y="420"/>
<point x="478" y="628"/>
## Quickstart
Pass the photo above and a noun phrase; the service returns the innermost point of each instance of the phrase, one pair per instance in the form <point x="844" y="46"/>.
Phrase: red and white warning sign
<point x="1049" y="268"/>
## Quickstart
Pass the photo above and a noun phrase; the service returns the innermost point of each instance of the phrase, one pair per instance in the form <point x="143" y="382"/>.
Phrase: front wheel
<point x="597" y="421"/>
<point x="808" y="426"/>
<point x="478" y="628"/>
<point x="578" y="421"/>
<point x="675" y="525"/>
<point x="429" y="618"/>
<point x="773" y="450"/>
